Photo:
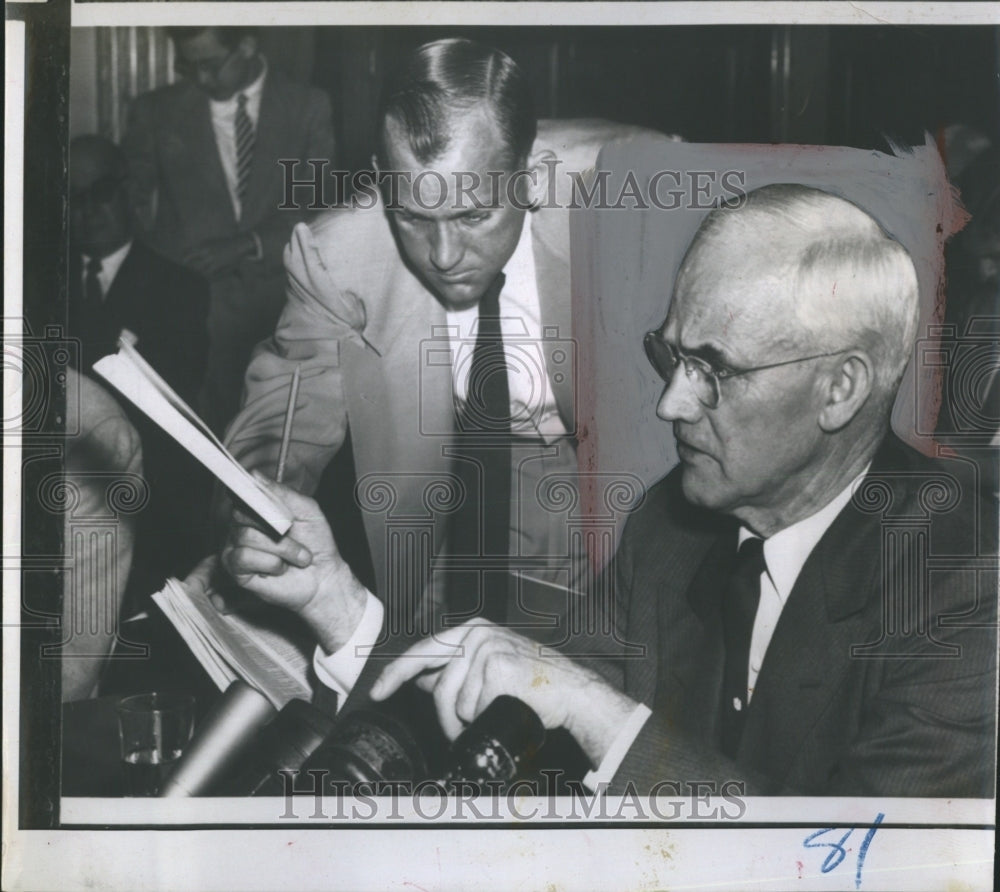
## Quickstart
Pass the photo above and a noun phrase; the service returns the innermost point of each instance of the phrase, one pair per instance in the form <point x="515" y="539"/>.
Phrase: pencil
<point x="286" y="433"/>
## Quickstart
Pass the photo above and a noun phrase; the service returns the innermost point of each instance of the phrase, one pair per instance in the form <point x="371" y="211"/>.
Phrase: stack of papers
<point x="261" y="648"/>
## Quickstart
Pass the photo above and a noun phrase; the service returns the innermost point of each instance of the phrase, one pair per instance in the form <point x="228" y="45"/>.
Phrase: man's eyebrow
<point x="710" y="354"/>
<point x="456" y="215"/>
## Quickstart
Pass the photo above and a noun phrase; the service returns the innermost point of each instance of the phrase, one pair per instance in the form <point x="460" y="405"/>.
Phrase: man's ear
<point x="540" y="164"/>
<point x="848" y="389"/>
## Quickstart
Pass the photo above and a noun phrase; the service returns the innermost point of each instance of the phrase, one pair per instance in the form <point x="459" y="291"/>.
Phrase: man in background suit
<point x="118" y="283"/>
<point x="208" y="187"/>
<point x="776" y="622"/>
<point x="386" y="314"/>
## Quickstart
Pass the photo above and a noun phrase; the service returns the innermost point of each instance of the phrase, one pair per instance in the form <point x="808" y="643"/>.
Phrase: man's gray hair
<point x="849" y="283"/>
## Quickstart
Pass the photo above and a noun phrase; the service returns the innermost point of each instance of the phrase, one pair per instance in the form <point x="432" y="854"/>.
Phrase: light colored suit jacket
<point x="375" y="357"/>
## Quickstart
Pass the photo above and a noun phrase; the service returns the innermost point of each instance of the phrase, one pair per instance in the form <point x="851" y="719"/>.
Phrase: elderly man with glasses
<point x="796" y="606"/>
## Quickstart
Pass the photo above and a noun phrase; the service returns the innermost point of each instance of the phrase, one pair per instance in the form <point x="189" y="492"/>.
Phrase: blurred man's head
<point x="807" y="291"/>
<point x="458" y="107"/>
<point x="220" y="61"/>
<point x="100" y="218"/>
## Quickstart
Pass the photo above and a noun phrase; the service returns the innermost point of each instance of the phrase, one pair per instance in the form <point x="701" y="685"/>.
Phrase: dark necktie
<point x="739" y="609"/>
<point x="93" y="293"/>
<point x="481" y="526"/>
<point x="92" y="323"/>
<point x="245" y="139"/>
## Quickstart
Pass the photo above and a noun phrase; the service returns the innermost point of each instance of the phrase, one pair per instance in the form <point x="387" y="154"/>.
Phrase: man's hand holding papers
<point x="302" y="570"/>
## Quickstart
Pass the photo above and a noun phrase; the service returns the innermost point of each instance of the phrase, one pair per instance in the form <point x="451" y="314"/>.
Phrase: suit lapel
<point x="204" y="150"/>
<point x="550" y="242"/>
<point x="401" y="371"/>
<point x="124" y="286"/>
<point x="678" y="628"/>
<point x="810" y="650"/>
<point x="696" y="641"/>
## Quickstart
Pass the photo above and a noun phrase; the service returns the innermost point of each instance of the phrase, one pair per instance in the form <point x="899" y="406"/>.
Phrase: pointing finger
<point x="428" y="653"/>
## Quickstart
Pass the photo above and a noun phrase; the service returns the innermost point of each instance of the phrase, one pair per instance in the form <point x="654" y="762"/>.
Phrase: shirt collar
<point x="252" y="91"/>
<point x="787" y="550"/>
<point x="111" y="263"/>
<point x="520" y="269"/>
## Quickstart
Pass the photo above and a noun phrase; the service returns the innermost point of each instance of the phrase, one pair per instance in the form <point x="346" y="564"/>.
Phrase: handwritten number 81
<point x="838" y="853"/>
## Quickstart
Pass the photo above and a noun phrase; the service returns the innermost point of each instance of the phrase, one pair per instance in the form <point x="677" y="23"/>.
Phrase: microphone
<point x="228" y="729"/>
<point x="294" y="735"/>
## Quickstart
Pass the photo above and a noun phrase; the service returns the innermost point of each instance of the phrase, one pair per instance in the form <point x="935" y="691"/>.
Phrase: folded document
<point x="137" y="381"/>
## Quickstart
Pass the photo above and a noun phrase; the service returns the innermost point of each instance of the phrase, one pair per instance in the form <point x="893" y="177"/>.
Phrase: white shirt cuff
<point x="340" y="670"/>
<point x="620" y="746"/>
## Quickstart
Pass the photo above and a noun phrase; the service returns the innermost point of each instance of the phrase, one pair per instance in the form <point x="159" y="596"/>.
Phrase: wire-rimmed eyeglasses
<point x="702" y="376"/>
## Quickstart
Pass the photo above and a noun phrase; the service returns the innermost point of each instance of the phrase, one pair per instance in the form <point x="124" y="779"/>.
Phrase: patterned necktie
<point x="245" y="139"/>
<point x="739" y="610"/>
<point x="481" y="526"/>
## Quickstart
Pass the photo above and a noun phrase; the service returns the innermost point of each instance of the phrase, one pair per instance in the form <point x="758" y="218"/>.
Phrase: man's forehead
<point x="735" y="267"/>
<point x="203" y="45"/>
<point x="470" y="174"/>
<point x="736" y="306"/>
<point x="474" y="144"/>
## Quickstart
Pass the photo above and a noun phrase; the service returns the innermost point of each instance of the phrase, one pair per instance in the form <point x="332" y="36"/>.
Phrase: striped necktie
<point x="245" y="138"/>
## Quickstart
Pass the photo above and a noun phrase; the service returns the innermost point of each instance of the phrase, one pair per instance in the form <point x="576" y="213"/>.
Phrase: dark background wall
<point x="817" y="84"/>
<point x="825" y="85"/>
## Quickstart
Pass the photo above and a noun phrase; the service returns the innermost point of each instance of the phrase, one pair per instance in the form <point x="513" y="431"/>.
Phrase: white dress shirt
<point x="785" y="553"/>
<point x="533" y="407"/>
<point x="109" y="267"/>
<point x="224" y="127"/>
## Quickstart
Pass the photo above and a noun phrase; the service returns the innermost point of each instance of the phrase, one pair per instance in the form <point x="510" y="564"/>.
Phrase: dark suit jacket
<point x="856" y="697"/>
<point x="180" y="187"/>
<point x="182" y="201"/>
<point x="163" y="303"/>
<point x="166" y="306"/>
<point x="879" y="678"/>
